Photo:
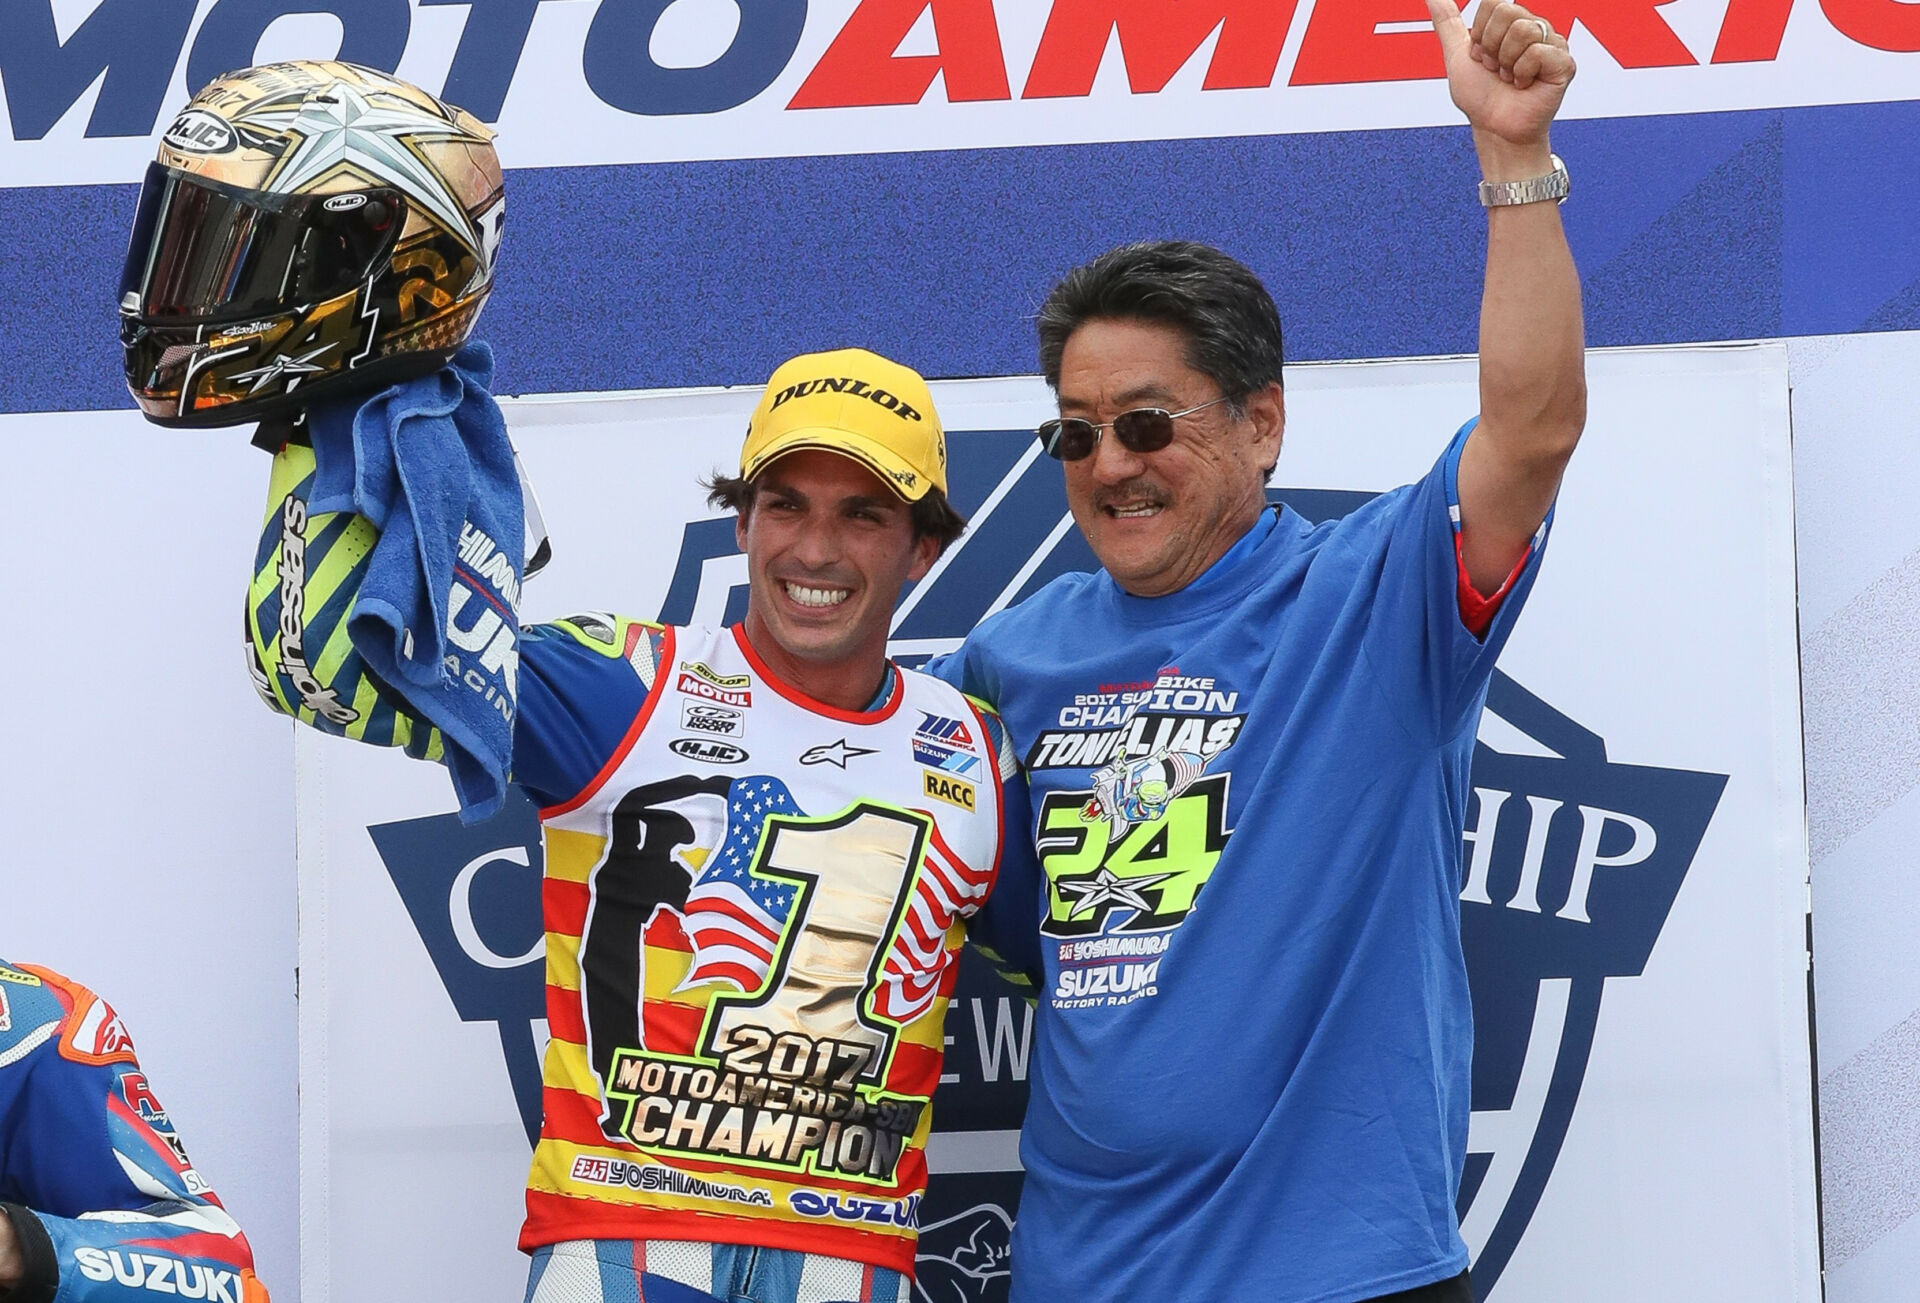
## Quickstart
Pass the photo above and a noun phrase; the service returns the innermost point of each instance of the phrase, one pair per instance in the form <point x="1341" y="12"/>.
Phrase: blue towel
<point x="428" y="462"/>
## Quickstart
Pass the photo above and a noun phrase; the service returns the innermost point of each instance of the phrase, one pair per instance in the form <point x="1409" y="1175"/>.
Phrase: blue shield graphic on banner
<point x="1572" y="865"/>
<point x="473" y="893"/>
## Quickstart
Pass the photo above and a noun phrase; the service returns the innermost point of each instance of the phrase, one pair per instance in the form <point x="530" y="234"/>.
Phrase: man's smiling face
<point x="1157" y="520"/>
<point x="828" y="548"/>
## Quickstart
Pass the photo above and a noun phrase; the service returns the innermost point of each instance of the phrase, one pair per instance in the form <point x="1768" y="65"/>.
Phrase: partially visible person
<point x="98" y="1203"/>
<point x="1248" y="741"/>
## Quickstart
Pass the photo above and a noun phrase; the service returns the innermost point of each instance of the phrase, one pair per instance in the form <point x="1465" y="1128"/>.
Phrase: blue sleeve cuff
<point x="40" y="1279"/>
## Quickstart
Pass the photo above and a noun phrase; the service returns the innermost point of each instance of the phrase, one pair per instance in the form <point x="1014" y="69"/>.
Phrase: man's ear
<point x="926" y="550"/>
<point x="740" y="528"/>
<point x="1267" y="411"/>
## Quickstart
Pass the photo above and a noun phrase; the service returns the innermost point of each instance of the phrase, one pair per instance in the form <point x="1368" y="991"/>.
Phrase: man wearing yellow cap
<point x="764" y="845"/>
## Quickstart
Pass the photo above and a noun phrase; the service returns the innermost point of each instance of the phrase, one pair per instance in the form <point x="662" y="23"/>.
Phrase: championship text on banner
<point x="1634" y="863"/>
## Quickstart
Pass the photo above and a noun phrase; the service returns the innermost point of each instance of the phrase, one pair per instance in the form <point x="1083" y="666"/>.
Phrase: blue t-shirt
<point x="1259" y="1090"/>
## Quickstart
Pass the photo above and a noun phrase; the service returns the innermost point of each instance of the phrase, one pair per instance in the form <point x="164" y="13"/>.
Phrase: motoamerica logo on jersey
<point x="942" y="743"/>
<point x="1126" y="857"/>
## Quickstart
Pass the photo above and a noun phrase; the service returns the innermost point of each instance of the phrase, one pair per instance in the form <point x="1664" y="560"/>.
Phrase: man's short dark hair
<point x="932" y="515"/>
<point x="1230" y="322"/>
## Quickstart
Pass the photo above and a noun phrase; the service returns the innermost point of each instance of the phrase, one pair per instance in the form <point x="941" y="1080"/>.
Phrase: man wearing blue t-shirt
<point x="1248" y="742"/>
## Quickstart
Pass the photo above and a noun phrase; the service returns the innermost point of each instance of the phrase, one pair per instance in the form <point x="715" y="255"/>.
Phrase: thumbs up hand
<point x="1508" y="73"/>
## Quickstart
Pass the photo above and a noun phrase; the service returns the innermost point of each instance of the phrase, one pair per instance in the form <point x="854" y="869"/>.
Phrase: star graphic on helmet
<point x="342" y="126"/>
<point x="1103" y="888"/>
<point x="836" y="752"/>
<point x="281" y="366"/>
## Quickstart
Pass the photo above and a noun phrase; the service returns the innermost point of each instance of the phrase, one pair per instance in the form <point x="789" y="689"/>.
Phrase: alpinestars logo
<point x="836" y="753"/>
<point x="292" y="569"/>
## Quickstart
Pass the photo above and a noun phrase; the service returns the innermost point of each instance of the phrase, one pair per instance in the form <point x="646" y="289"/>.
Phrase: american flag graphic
<point x="733" y="917"/>
<point x="948" y="889"/>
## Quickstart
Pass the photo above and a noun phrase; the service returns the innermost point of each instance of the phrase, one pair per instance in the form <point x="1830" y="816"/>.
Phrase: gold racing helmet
<point x="309" y="230"/>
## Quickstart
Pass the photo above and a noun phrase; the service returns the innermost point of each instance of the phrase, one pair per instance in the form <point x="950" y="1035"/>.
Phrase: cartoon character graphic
<point x="1128" y="792"/>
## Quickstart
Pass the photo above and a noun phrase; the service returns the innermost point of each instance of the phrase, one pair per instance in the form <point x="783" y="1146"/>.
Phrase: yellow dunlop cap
<point x="858" y="404"/>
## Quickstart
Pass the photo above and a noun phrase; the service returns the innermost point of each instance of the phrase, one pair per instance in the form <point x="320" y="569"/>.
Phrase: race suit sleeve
<point x="579" y="680"/>
<point x="1430" y="661"/>
<point x="967" y="668"/>
<point x="103" y="1199"/>
<point x="1006" y="928"/>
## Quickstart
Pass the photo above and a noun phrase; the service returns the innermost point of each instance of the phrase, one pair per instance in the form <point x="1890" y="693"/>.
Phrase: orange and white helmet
<point x="309" y="230"/>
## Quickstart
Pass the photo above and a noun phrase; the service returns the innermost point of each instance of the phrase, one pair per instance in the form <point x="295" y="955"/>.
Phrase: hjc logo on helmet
<point x="352" y="220"/>
<point x="198" y="132"/>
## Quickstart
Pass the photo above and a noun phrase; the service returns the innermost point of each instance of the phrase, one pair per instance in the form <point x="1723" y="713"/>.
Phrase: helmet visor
<point x="204" y="252"/>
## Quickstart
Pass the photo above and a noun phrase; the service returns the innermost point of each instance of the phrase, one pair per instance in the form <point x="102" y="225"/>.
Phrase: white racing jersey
<point x="754" y="915"/>
<point x="754" y="902"/>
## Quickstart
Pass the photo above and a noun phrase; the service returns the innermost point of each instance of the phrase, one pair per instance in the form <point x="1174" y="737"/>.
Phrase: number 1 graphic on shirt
<point x="855" y="874"/>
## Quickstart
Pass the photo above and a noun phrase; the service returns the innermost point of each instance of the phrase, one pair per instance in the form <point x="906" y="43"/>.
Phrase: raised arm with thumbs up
<point x="1262" y="1093"/>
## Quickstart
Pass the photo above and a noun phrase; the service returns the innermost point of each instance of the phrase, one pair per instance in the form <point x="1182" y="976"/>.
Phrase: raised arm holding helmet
<point x="764" y="843"/>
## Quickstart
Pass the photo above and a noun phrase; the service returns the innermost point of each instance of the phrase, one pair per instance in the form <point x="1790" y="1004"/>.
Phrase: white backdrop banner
<point x="1642" y="1097"/>
<point x="145" y="794"/>
<point x="89" y="84"/>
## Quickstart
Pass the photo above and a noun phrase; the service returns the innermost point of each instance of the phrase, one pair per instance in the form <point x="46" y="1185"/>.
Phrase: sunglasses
<point x="1144" y="429"/>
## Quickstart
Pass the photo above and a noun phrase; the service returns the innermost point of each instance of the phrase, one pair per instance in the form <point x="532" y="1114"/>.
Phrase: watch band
<point x="1553" y="185"/>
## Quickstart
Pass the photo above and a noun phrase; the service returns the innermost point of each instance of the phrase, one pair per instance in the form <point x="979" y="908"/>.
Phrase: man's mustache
<point x="1133" y="493"/>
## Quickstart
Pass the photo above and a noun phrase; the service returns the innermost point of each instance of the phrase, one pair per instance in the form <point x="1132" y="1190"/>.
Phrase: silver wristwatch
<point x="1554" y="185"/>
